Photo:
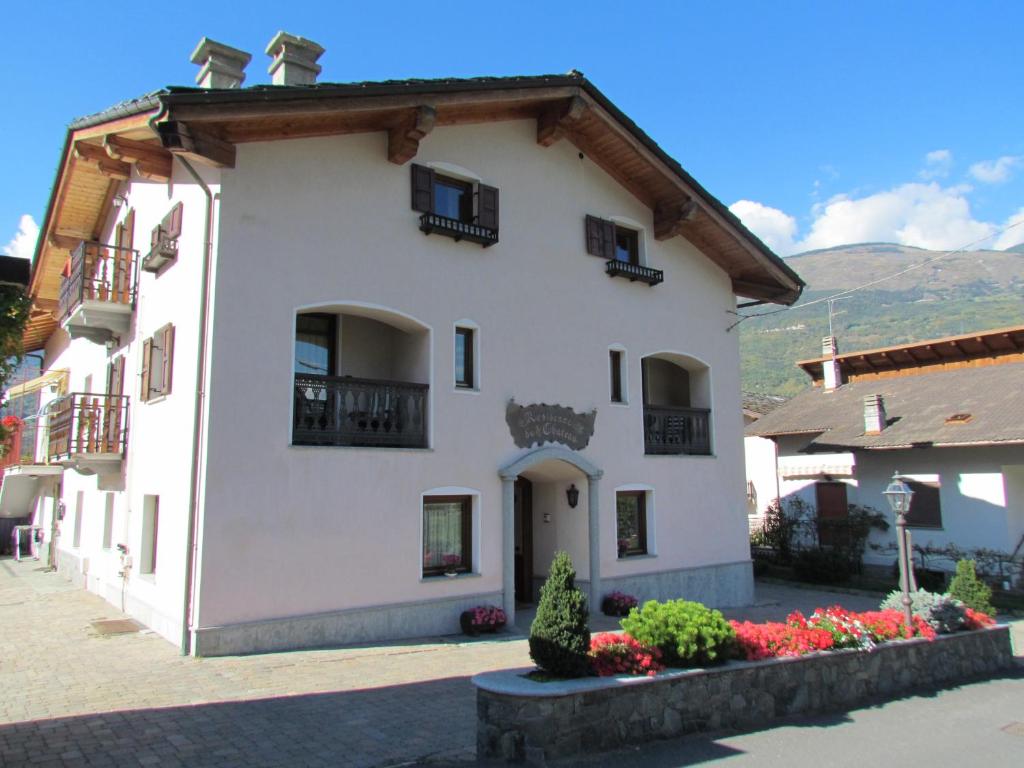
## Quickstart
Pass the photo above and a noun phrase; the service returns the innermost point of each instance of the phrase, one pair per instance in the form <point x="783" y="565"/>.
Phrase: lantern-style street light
<point x="899" y="494"/>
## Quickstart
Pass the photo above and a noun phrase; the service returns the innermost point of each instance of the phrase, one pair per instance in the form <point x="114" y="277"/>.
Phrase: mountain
<point x="1019" y="248"/>
<point x="959" y="293"/>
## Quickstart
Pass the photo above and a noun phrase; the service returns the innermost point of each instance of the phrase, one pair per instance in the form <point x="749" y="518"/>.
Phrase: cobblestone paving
<point x="72" y="697"/>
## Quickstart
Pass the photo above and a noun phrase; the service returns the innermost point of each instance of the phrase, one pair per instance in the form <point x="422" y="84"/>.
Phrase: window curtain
<point x="442" y="534"/>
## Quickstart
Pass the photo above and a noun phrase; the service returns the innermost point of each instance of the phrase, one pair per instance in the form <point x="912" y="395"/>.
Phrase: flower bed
<point x="564" y="718"/>
<point x="483" y="618"/>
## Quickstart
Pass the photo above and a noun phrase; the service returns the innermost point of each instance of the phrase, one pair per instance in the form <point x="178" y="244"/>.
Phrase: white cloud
<point x="775" y="228"/>
<point x="936" y="164"/>
<point x="23" y="244"/>
<point x="924" y="215"/>
<point x="996" y="171"/>
<point x="1011" y="237"/>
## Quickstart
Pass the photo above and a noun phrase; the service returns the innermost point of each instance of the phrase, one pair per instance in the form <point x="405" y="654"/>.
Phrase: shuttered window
<point x="458" y="202"/>
<point x="157" y="364"/>
<point x="609" y="241"/>
<point x="163" y="242"/>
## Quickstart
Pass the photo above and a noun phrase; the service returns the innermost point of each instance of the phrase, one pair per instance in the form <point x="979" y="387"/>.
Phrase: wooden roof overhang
<point x="999" y="344"/>
<point x="205" y="125"/>
<point x="94" y="161"/>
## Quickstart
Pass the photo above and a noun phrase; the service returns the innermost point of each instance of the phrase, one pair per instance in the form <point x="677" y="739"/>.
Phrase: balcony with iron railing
<point x="97" y="292"/>
<point x="672" y="430"/>
<point x="88" y="432"/>
<point x="349" y="411"/>
<point x="458" y="230"/>
<point x="21" y="467"/>
<point x="634" y="272"/>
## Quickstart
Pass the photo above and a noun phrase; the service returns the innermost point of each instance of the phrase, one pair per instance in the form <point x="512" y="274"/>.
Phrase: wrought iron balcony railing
<point x="672" y="431"/>
<point x="460" y="230"/>
<point x="634" y="272"/>
<point x="98" y="273"/>
<point x="342" y="410"/>
<point x="83" y="423"/>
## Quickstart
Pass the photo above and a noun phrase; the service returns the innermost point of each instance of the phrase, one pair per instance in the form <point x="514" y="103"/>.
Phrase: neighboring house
<point x="759" y="454"/>
<point x="307" y="355"/>
<point x="944" y="413"/>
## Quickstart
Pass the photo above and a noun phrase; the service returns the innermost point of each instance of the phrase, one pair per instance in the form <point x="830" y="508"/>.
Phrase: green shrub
<point x="559" y="635"/>
<point x="943" y="613"/>
<point x="687" y="633"/>
<point x="970" y="590"/>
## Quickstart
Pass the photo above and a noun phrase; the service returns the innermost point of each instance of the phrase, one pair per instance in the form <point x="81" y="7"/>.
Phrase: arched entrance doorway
<point x="542" y="477"/>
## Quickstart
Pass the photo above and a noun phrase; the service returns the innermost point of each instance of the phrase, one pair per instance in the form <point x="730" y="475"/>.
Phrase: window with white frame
<point x="447" y="535"/>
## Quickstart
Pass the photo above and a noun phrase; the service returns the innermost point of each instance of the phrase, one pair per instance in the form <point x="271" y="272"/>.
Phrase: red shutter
<point x="423" y="189"/>
<point x="168" y="344"/>
<point x="147" y="353"/>
<point x="487" y="215"/>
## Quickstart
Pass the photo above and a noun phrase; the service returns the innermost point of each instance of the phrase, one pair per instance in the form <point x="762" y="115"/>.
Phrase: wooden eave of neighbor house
<point x="965" y="350"/>
<point x="137" y="140"/>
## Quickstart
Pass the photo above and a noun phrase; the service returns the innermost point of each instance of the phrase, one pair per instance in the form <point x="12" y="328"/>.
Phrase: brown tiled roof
<point x="917" y="409"/>
<point x="754" y="402"/>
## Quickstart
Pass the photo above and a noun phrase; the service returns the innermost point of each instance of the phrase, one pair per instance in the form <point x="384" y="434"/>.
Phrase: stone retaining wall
<point x="521" y="719"/>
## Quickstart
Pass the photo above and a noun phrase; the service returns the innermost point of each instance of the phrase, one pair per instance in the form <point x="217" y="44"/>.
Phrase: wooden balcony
<point x="671" y="431"/>
<point x="342" y="410"/>
<point x="458" y="230"/>
<point x="634" y="272"/>
<point x="89" y="432"/>
<point x="21" y="466"/>
<point x="97" y="292"/>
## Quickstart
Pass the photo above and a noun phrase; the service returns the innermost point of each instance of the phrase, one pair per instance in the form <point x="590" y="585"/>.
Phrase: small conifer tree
<point x="560" y="635"/>
<point x="970" y="590"/>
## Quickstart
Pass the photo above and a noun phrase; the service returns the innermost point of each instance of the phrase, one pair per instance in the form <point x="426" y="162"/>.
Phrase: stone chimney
<point x="294" y="60"/>
<point x="874" y="414"/>
<point x="220" y="66"/>
<point x="830" y="367"/>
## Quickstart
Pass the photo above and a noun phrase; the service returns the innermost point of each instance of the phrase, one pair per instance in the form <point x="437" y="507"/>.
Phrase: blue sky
<point x="819" y="123"/>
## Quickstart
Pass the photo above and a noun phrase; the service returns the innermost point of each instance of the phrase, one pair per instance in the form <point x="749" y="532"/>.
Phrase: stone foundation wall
<point x="520" y="719"/>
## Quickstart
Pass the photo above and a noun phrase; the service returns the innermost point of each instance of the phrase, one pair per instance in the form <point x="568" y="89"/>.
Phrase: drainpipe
<point x="197" y="423"/>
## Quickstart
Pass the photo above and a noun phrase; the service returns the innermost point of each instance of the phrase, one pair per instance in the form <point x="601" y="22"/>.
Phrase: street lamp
<point x="899" y="494"/>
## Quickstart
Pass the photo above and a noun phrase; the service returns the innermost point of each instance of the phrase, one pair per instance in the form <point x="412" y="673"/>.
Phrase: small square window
<point x="447" y="535"/>
<point x="631" y="522"/>
<point x="627" y="245"/>
<point x="465" y="376"/>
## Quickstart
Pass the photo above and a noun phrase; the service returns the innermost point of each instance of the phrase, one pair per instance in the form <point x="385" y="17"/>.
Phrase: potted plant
<point x="483" y="618"/>
<point x="451" y="564"/>
<point x="618" y="604"/>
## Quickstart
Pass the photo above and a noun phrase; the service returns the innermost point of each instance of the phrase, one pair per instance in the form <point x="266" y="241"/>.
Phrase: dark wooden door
<point x="832" y="507"/>
<point x="524" y="540"/>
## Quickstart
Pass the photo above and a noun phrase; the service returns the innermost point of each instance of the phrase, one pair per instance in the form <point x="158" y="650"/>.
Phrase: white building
<point x="300" y="402"/>
<point x="944" y="413"/>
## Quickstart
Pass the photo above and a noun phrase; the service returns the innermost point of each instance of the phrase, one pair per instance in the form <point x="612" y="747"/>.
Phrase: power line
<point x="870" y="283"/>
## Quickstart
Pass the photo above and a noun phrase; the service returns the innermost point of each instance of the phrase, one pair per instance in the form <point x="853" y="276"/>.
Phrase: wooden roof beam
<point x="68" y="239"/>
<point x="95" y="155"/>
<point x="404" y="139"/>
<point x="671" y="220"/>
<point x="180" y="139"/>
<point x="556" y="121"/>
<point x="151" y="161"/>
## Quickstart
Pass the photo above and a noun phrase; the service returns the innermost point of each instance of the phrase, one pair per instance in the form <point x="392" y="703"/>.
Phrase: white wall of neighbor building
<point x="293" y="531"/>
<point x="981" y="490"/>
<point x="159" y="432"/>
<point x="759" y="463"/>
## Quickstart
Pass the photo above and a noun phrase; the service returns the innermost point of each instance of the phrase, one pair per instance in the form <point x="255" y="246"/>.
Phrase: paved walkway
<point x="72" y="697"/>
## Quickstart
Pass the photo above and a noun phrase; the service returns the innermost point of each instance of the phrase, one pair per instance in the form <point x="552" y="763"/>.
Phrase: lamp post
<point x="899" y="494"/>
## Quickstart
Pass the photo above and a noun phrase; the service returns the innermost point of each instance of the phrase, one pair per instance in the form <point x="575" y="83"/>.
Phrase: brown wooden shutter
<point x="174" y="221"/>
<point x="115" y="376"/>
<point x="600" y="234"/>
<point x="154" y="238"/>
<point x="423" y="189"/>
<point x="128" y="232"/>
<point x="487" y="215"/>
<point x="168" y="344"/>
<point x="147" y="354"/>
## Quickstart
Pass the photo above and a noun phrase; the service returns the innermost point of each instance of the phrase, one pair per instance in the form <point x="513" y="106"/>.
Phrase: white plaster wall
<point x="567" y="530"/>
<point x="159" y="432"/>
<point x="759" y="462"/>
<point x="1013" y="477"/>
<point x="297" y="530"/>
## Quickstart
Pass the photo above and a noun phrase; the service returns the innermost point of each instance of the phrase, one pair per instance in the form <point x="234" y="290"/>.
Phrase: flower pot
<point x="471" y="629"/>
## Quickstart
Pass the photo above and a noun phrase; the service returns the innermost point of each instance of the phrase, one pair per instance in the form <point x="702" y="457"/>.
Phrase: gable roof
<point x="567" y="106"/>
<point x="917" y="410"/>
